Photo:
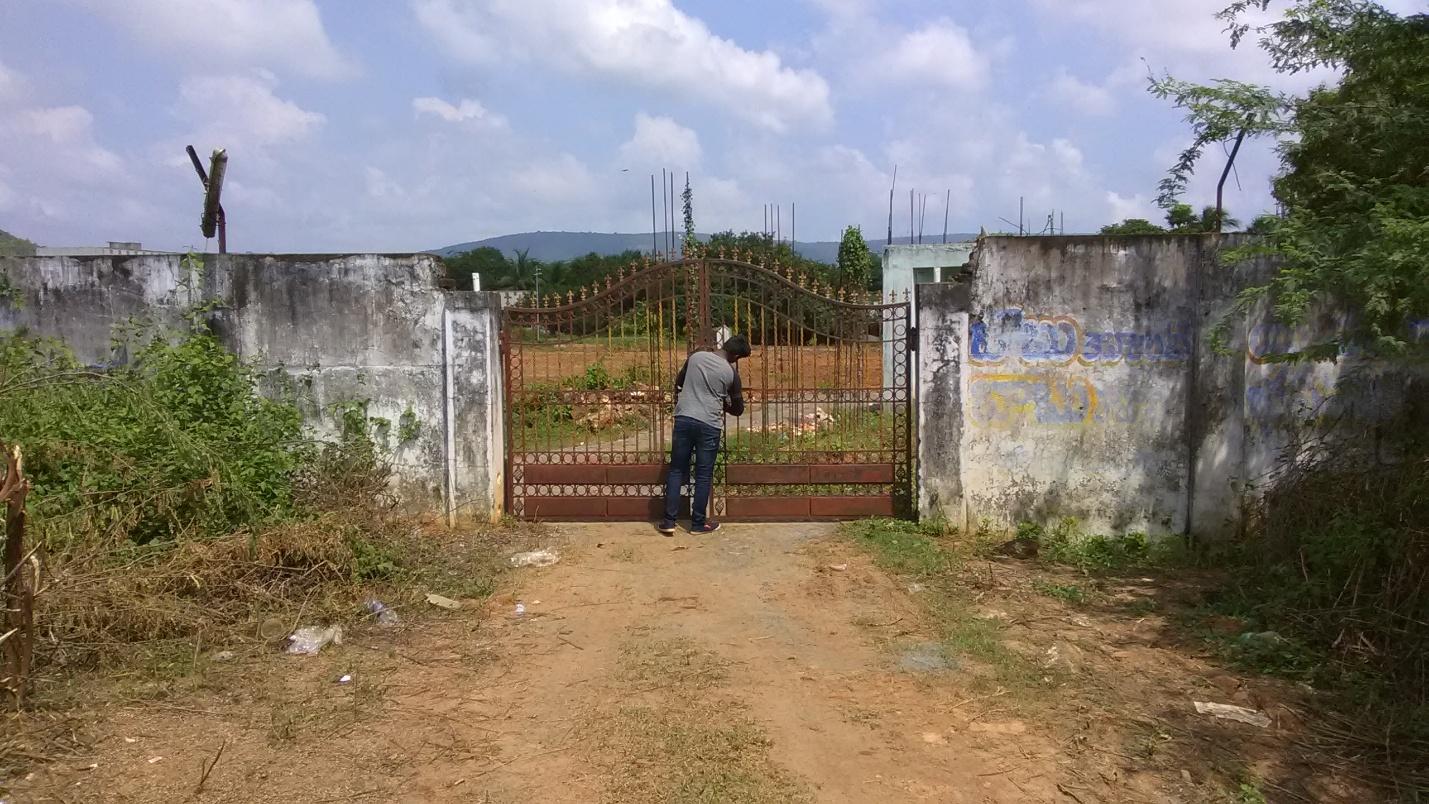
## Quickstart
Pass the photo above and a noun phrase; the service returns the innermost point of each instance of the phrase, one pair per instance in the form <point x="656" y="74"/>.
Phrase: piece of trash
<point x="1232" y="712"/>
<point x="442" y="602"/>
<point x="838" y="567"/>
<point x="544" y="557"/>
<point x="92" y="766"/>
<point x="152" y="760"/>
<point x="1262" y="639"/>
<point x="272" y="628"/>
<point x="925" y="657"/>
<point x="385" y="617"/>
<point x="915" y="588"/>
<point x="346" y="677"/>
<point x="520" y="609"/>
<point x="130" y="740"/>
<point x="223" y="656"/>
<point x="310" y="639"/>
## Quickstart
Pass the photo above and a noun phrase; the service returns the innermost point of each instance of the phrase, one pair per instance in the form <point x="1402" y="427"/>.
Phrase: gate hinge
<point x="912" y="339"/>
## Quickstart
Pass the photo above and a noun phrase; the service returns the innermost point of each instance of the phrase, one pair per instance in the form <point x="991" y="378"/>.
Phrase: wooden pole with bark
<point x="17" y="626"/>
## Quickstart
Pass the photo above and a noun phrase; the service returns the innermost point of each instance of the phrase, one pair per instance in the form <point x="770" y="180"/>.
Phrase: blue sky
<point x="393" y="125"/>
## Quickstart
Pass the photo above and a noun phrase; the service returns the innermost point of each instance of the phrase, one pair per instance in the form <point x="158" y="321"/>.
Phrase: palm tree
<point x="1209" y="222"/>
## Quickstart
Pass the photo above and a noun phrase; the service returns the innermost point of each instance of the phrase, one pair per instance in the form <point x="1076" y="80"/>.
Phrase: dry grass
<point x="685" y="742"/>
<point x="143" y="624"/>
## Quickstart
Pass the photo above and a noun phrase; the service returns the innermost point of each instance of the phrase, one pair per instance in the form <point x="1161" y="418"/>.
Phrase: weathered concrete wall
<point x="1079" y="380"/>
<point x="1092" y="387"/>
<point x="359" y="329"/>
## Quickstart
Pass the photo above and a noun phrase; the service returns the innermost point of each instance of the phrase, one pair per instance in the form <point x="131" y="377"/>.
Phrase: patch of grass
<point x="324" y="714"/>
<point x="966" y="635"/>
<point x="1142" y="607"/>
<point x="855" y="430"/>
<point x="626" y="554"/>
<point x="1065" y="592"/>
<point x="670" y="662"/>
<point x="933" y="553"/>
<point x="703" y="753"/>
<point x="688" y="744"/>
<point x="1067" y="543"/>
<point x="1248" y="793"/>
<point x="908" y="548"/>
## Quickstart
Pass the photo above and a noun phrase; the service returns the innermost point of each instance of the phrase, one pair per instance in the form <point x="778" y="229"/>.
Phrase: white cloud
<point x="208" y="34"/>
<point x="660" y="142"/>
<point x="8" y="198"/>
<point x="940" y="54"/>
<point x="11" y="86"/>
<point x="563" y="179"/>
<point x="1183" y="37"/>
<point x="1082" y="96"/>
<point x="466" y="111"/>
<point x="644" y="43"/>
<point x="237" y="111"/>
<point x="66" y="134"/>
<point x="1135" y="206"/>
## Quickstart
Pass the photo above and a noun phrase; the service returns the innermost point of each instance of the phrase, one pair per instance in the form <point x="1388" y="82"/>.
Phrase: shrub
<point x="176" y="443"/>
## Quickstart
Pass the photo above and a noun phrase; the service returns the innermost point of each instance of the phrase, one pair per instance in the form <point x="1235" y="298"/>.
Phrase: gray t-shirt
<point x="708" y="388"/>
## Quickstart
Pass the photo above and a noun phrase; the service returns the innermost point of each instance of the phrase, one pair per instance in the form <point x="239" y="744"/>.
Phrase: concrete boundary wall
<point x="341" y="329"/>
<point x="1079" y="377"/>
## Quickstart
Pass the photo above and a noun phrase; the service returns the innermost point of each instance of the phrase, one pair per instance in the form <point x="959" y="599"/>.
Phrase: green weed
<point x="930" y="552"/>
<point x="1067" y="543"/>
<point x="1067" y="593"/>
<point x="907" y="548"/>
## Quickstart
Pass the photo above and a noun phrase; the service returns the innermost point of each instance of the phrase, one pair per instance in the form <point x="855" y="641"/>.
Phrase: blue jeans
<point x="692" y="439"/>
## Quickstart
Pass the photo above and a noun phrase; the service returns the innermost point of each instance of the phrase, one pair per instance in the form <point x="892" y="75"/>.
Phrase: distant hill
<point x="13" y="246"/>
<point x="553" y="246"/>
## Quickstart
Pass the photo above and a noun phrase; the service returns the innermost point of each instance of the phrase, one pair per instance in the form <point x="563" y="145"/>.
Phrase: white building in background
<point x="906" y="267"/>
<point x="116" y="248"/>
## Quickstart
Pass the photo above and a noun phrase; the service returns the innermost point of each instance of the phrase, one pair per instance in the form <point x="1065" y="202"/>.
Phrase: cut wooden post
<point x="16" y="638"/>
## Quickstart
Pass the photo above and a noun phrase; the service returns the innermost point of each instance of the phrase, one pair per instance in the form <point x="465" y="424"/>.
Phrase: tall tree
<point x="1354" y="178"/>
<point x="855" y="267"/>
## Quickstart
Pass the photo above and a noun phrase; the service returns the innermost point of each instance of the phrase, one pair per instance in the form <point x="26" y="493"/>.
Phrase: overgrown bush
<point x="176" y="505"/>
<point x="175" y="444"/>
<point x="1338" y="558"/>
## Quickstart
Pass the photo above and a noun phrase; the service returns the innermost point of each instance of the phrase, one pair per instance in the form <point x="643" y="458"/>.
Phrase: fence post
<point x="17" y="627"/>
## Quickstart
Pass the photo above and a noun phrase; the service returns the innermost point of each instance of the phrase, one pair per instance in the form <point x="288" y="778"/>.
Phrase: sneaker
<point x="667" y="528"/>
<point x="710" y="526"/>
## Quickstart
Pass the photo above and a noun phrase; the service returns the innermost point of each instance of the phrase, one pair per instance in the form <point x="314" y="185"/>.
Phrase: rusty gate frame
<point x="788" y="485"/>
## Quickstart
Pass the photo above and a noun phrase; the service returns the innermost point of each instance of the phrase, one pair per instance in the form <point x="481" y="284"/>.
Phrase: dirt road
<point x="767" y="663"/>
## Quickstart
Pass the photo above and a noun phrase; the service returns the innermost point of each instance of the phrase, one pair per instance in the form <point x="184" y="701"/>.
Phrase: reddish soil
<point x="785" y="626"/>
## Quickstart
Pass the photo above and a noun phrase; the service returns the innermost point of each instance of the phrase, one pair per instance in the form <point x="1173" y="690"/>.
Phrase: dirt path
<point x="774" y="636"/>
<point x="769" y="663"/>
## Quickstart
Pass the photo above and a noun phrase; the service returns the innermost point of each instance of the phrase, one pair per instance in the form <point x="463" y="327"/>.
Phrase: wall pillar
<point x="941" y="388"/>
<point x="475" y="436"/>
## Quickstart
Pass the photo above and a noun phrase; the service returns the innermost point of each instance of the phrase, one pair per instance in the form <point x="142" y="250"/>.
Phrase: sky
<point x="399" y="125"/>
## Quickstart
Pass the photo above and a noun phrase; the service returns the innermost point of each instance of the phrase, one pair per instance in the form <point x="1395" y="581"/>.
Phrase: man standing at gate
<point x="706" y="388"/>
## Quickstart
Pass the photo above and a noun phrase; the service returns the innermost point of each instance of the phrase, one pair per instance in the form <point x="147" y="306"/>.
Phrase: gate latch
<point x="912" y="339"/>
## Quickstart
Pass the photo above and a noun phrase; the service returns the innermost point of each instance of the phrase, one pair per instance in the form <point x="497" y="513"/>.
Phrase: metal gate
<point x="590" y="393"/>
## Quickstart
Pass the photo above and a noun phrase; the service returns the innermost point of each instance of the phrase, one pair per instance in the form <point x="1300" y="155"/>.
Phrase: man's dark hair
<point x="736" y="346"/>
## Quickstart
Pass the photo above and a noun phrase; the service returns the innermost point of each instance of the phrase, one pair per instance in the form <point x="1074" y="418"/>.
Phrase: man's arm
<point x="680" y="378"/>
<point x="734" y="406"/>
